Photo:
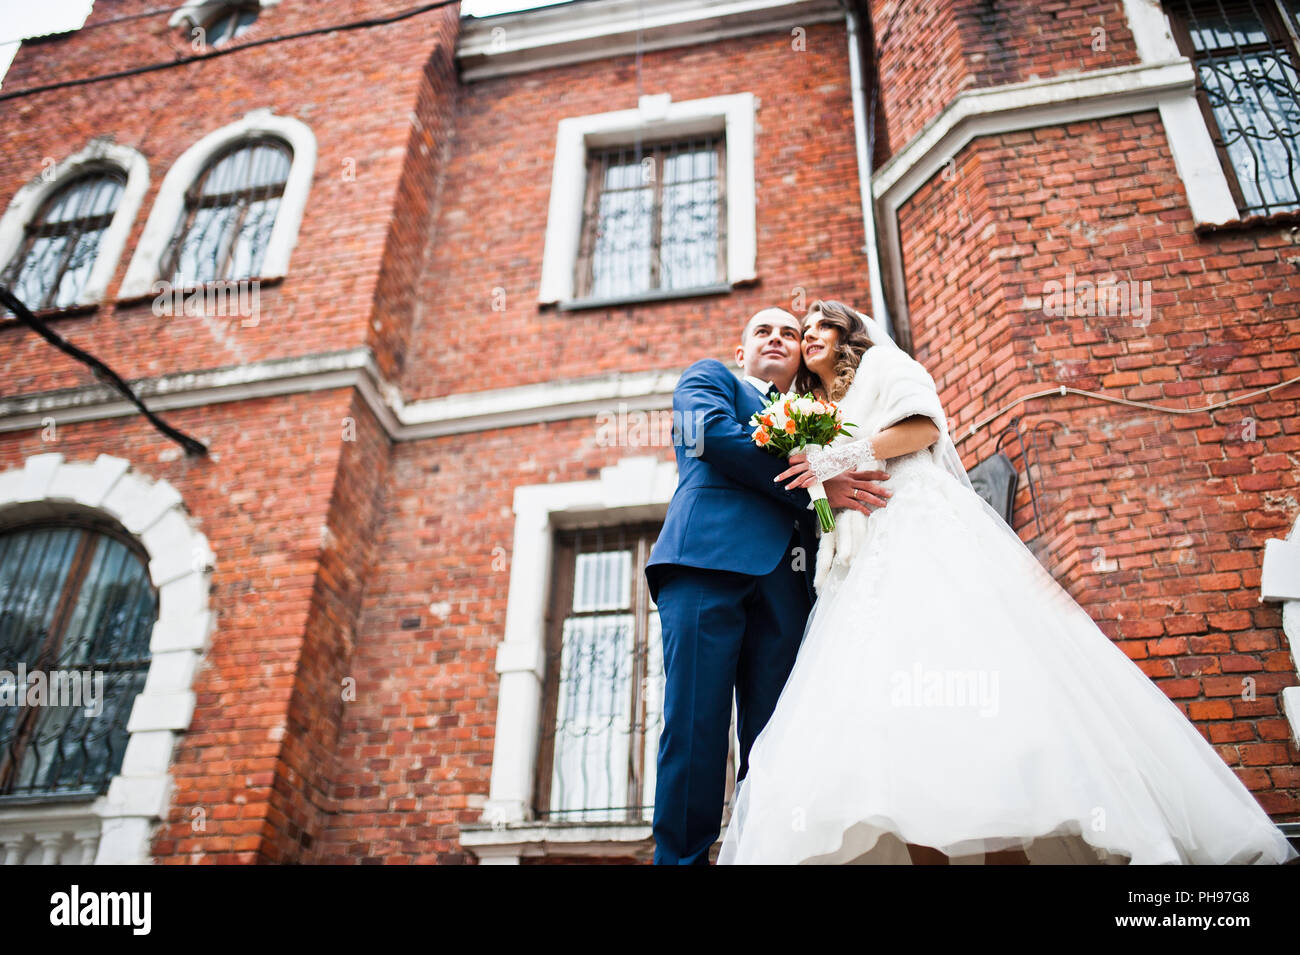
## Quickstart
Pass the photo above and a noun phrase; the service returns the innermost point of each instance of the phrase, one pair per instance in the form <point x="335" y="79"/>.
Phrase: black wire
<point x="226" y="50"/>
<point x="100" y="370"/>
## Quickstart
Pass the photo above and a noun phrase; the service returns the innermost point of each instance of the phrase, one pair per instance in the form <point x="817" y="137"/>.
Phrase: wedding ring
<point x="855" y="494"/>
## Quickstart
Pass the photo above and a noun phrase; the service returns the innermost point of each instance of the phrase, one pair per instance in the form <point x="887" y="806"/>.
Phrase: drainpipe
<point x="879" y="310"/>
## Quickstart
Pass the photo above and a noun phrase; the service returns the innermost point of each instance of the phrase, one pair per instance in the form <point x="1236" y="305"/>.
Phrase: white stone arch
<point x="168" y="206"/>
<point x="116" y="828"/>
<point x="28" y="199"/>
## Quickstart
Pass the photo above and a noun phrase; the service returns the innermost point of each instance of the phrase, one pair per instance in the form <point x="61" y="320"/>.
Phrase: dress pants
<point x="722" y="632"/>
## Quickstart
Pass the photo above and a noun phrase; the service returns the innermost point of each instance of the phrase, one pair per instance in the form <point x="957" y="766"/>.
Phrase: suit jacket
<point x="727" y="513"/>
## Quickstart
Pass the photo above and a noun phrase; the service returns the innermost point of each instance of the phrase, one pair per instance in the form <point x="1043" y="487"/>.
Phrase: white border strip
<point x="428" y="418"/>
<point x="495" y="46"/>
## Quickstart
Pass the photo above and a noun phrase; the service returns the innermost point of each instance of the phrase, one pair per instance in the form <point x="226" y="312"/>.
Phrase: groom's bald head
<point x="769" y="315"/>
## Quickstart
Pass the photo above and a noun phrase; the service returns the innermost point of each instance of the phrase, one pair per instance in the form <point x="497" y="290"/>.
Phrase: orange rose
<point x="766" y="419"/>
<point x="762" y="437"/>
<point x="790" y="427"/>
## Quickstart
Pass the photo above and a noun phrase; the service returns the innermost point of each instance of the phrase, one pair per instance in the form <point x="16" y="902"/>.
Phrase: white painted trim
<point x="1152" y="36"/>
<point x="506" y="844"/>
<point x="545" y="37"/>
<point x="635" y="488"/>
<point x="354" y="368"/>
<point x="27" y="202"/>
<point x="180" y="566"/>
<point x="1167" y="86"/>
<point x="1190" y="141"/>
<point x="1055" y="101"/>
<point x="529" y="404"/>
<point x="654" y="116"/>
<point x="429" y="418"/>
<point x="170" y="203"/>
<point x="1280" y="580"/>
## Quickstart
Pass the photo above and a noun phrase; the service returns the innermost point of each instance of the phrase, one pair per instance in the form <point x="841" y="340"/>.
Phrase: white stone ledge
<point x="1056" y="100"/>
<point x="161" y="711"/>
<point x="432" y="417"/>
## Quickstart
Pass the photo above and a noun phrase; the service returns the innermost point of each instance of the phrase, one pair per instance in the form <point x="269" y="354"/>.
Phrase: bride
<point x="950" y="702"/>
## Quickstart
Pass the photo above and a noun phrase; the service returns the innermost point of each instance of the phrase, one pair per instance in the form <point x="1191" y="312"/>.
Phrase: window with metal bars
<point x="229" y="213"/>
<point x="603" y="700"/>
<point x="60" y="243"/>
<point x="654" y="219"/>
<point x="75" y="601"/>
<point x="229" y="22"/>
<point x="1247" y="59"/>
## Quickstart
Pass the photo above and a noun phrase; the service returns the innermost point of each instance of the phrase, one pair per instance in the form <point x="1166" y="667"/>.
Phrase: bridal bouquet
<point x="794" y="423"/>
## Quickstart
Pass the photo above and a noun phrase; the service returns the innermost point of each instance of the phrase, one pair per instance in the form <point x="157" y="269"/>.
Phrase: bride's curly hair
<point x="853" y="344"/>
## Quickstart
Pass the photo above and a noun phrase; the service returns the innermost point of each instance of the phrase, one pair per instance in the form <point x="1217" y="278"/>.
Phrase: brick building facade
<point x="436" y="437"/>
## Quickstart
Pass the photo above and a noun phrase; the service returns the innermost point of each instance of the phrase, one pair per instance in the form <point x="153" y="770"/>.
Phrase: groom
<point x="732" y="575"/>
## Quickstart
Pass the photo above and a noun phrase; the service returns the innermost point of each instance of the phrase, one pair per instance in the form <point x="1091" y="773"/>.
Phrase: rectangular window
<point x="603" y="700"/>
<point x="654" y="219"/>
<point x="1247" y="56"/>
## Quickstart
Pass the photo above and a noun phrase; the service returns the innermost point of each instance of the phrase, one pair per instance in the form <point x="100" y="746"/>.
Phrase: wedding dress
<point x="949" y="693"/>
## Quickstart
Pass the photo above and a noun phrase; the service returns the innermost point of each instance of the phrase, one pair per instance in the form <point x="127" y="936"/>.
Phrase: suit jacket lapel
<point x="749" y="401"/>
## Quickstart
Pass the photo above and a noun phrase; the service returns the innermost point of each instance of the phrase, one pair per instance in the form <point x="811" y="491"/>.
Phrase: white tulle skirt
<point x="949" y="693"/>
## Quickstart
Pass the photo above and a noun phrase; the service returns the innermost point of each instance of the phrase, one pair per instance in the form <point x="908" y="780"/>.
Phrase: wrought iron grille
<point x="230" y="22"/>
<point x="603" y="700"/>
<point x="59" y="246"/>
<point x="75" y="601"/>
<point x="604" y="686"/>
<point x="654" y="218"/>
<point x="1247" y="57"/>
<point x="229" y="214"/>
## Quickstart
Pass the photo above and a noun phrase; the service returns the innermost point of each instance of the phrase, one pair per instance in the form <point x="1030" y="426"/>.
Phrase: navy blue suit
<point x="733" y="594"/>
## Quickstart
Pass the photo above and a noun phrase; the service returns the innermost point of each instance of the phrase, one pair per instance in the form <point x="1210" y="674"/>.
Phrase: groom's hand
<point x="859" y="490"/>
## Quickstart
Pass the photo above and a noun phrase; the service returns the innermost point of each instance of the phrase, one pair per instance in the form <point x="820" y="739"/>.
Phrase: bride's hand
<point x="799" y="474"/>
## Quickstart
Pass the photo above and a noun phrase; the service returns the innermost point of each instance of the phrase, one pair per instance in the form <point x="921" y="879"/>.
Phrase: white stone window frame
<point x="28" y="200"/>
<point x="637" y="488"/>
<point x="168" y="207"/>
<point x="1190" y="141"/>
<point x="117" y="828"/>
<point x="200" y="13"/>
<point x="655" y="116"/>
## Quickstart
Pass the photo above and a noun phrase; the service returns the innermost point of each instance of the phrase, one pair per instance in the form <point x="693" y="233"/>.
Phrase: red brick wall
<point x="492" y="222"/>
<point x="416" y="748"/>
<point x="355" y="89"/>
<point x="930" y="52"/>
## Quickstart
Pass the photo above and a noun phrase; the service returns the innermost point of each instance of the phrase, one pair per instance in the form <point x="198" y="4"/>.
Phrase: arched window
<point x="61" y="241"/>
<point x="229" y="212"/>
<point x="229" y="22"/>
<point x="77" y="610"/>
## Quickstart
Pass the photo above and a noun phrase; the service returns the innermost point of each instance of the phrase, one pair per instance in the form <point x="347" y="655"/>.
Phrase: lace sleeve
<point x="855" y="455"/>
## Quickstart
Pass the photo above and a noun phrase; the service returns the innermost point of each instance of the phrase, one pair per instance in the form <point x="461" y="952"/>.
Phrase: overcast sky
<point x="22" y="18"/>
